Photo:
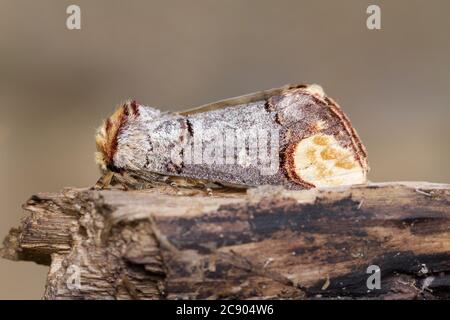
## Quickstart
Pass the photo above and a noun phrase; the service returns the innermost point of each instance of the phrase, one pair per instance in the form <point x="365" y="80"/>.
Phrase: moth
<point x="295" y="136"/>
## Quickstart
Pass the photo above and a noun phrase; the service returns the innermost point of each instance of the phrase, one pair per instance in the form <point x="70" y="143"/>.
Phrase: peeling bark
<point x="268" y="242"/>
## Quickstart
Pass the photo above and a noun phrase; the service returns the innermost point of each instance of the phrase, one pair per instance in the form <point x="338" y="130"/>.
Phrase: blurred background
<point x="56" y="85"/>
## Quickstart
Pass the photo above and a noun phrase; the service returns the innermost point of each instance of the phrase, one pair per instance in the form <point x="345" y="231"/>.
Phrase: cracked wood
<point x="268" y="242"/>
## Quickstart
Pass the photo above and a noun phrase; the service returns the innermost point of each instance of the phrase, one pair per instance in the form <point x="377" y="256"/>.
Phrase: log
<point x="264" y="243"/>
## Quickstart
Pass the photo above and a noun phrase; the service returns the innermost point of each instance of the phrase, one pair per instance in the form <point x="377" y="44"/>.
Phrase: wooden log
<point x="268" y="242"/>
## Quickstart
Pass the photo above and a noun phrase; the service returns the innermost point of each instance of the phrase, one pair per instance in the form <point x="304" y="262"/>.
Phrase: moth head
<point x="106" y="138"/>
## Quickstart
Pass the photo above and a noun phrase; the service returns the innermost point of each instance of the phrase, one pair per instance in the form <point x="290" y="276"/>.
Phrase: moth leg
<point x="130" y="182"/>
<point x="208" y="191"/>
<point x="104" y="181"/>
<point x="205" y="186"/>
<point x="185" y="182"/>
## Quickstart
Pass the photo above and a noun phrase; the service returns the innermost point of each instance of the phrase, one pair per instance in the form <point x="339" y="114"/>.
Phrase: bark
<point x="171" y="243"/>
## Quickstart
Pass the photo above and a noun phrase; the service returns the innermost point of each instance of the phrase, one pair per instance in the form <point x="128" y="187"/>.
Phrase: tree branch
<point x="170" y="243"/>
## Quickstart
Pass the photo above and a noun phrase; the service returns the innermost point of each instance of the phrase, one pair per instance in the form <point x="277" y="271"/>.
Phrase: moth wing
<point x="248" y="98"/>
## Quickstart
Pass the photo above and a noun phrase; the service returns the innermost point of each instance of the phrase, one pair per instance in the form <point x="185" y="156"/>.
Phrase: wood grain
<point x="268" y="242"/>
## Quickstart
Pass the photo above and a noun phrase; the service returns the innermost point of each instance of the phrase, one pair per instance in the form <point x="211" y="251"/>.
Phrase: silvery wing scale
<point x="294" y="136"/>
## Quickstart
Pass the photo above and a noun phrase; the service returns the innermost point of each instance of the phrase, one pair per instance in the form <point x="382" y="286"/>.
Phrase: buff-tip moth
<point x="294" y="136"/>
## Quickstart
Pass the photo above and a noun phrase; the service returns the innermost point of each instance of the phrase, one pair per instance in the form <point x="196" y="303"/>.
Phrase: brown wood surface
<point x="169" y="243"/>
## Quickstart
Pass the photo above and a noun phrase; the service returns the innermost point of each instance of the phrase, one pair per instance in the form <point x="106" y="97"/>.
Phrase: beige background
<point x="56" y="85"/>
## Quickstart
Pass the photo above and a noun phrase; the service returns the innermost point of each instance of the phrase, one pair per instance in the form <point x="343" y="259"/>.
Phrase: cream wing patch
<point x="321" y="161"/>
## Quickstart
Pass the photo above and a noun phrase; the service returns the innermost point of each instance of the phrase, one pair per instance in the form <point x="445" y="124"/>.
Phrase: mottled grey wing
<point x="248" y="98"/>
